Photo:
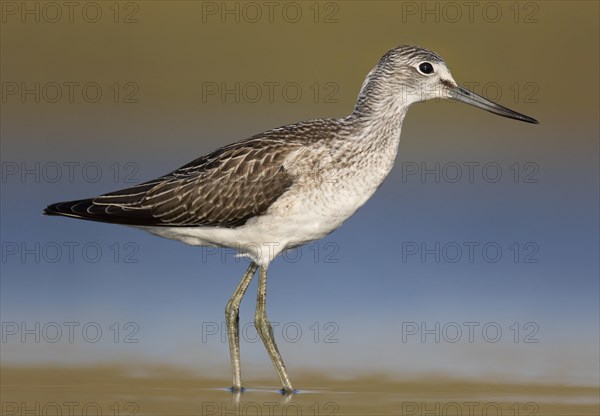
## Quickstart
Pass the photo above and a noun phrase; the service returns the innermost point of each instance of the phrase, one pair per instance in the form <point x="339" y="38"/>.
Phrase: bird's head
<point x="409" y="74"/>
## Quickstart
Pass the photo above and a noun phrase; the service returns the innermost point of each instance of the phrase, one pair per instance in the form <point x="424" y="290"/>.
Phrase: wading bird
<point x="287" y="186"/>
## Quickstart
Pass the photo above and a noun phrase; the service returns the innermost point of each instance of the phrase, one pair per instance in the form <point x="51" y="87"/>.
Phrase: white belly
<point x="303" y="214"/>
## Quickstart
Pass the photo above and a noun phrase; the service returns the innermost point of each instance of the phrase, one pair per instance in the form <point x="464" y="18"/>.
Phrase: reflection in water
<point x="113" y="391"/>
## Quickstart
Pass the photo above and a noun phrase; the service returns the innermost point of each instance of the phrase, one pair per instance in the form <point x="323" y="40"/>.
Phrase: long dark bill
<point x="462" y="94"/>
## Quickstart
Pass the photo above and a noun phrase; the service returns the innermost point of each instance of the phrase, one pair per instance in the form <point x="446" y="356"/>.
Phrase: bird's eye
<point x="426" y="68"/>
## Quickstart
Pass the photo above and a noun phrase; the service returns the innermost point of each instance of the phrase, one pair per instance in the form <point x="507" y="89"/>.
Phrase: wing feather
<point x="224" y="188"/>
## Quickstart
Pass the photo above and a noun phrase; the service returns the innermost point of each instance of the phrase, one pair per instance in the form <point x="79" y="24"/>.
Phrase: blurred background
<point x="477" y="259"/>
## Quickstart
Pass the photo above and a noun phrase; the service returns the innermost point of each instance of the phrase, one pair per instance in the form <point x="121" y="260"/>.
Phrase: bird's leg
<point x="265" y="330"/>
<point x="232" y="319"/>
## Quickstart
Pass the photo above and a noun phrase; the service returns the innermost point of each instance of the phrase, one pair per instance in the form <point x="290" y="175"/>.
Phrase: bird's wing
<point x="224" y="188"/>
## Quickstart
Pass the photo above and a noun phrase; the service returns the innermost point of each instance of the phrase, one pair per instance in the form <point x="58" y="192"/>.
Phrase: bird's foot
<point x="288" y="391"/>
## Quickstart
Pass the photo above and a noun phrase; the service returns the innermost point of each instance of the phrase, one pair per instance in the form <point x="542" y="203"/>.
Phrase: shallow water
<point x="114" y="391"/>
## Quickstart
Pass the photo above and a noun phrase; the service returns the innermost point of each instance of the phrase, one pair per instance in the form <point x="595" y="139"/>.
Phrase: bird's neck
<point x="378" y="123"/>
<point x="383" y="98"/>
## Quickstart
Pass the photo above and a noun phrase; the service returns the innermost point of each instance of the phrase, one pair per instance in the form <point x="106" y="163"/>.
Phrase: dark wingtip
<point x="51" y="210"/>
<point x="66" y="209"/>
<point x="84" y="209"/>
